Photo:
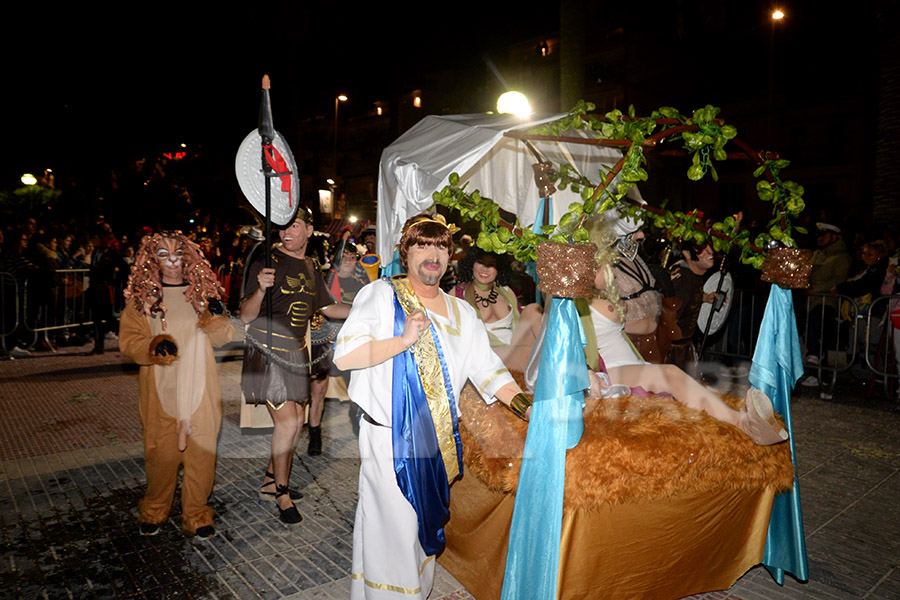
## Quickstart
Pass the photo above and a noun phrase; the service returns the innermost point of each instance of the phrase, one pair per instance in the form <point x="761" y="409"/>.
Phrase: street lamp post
<point x="337" y="101"/>
<point x="777" y="15"/>
<point x="334" y="199"/>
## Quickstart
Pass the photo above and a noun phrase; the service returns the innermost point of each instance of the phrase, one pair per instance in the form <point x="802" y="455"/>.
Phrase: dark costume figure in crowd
<point x="104" y="268"/>
<point x="344" y="278"/>
<point x="687" y="281"/>
<point x="172" y="318"/>
<point x="280" y="375"/>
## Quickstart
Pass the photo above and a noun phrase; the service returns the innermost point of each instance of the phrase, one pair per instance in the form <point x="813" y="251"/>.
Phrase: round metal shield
<point x="248" y="168"/>
<point x="718" y="316"/>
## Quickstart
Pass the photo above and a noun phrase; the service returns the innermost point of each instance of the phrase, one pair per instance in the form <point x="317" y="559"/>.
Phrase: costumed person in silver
<point x="411" y="348"/>
<point x="644" y="307"/>
<point x="345" y="278"/>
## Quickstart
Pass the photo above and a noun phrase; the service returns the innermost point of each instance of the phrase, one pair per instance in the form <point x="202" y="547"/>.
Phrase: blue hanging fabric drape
<point x="532" y="561"/>
<point x="777" y="365"/>
<point x="531" y="266"/>
<point x="395" y="268"/>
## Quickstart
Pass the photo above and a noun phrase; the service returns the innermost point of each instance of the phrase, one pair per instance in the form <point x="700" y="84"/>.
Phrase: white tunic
<point x="388" y="561"/>
<point x="462" y="336"/>
<point x="612" y="345"/>
<point x="502" y="329"/>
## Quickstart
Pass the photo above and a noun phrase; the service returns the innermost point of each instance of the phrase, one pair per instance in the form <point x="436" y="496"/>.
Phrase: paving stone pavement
<point x="72" y="473"/>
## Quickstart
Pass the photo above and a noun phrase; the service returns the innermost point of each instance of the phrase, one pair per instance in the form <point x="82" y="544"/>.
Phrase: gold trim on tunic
<point x="450" y="329"/>
<point x="431" y="375"/>
<point x="393" y="588"/>
<point x="346" y="339"/>
<point x="279" y="349"/>
<point x="274" y="334"/>
<point x="491" y="377"/>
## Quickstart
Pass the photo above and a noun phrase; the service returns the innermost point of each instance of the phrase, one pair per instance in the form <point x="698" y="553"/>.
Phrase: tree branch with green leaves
<point x="704" y="137"/>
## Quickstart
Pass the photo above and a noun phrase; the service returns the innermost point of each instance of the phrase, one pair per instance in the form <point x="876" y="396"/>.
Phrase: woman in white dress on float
<point x="484" y="283"/>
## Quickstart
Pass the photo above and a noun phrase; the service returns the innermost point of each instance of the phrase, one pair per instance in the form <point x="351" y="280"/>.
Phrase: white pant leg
<point x="388" y="561"/>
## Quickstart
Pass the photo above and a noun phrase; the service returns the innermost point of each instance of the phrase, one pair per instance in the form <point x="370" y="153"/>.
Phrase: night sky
<point x="84" y="87"/>
<point x="162" y="74"/>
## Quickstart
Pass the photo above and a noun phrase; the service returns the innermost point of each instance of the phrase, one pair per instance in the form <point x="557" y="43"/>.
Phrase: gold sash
<point x="428" y="364"/>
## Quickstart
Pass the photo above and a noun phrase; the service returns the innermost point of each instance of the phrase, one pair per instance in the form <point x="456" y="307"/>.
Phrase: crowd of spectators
<point x="846" y="280"/>
<point x="70" y="273"/>
<point x="67" y="272"/>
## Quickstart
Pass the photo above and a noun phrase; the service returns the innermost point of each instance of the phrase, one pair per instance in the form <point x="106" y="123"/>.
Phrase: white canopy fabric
<point x="420" y="162"/>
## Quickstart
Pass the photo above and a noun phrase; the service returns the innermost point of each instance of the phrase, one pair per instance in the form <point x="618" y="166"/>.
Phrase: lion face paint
<point x="170" y="257"/>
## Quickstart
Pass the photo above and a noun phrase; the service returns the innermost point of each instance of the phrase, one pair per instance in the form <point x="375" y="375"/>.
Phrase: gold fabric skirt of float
<point x="661" y="501"/>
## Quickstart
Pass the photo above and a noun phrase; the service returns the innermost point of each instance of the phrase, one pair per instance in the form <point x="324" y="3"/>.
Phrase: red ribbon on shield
<point x="279" y="165"/>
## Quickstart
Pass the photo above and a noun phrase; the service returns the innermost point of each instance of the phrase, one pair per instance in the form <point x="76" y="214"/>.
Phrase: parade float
<point x="625" y="497"/>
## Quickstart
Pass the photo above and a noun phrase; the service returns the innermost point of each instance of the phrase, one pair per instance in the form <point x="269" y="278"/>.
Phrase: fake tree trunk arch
<point x="706" y="138"/>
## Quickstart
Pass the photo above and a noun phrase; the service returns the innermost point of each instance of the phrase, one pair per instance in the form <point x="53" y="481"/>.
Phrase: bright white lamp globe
<point x="514" y="103"/>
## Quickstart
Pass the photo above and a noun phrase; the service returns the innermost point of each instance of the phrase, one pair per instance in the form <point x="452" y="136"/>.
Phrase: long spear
<point x="265" y="152"/>
<point x="267" y="136"/>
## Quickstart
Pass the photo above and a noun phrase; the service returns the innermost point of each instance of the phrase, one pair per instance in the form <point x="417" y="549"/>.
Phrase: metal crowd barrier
<point x="9" y="307"/>
<point x="845" y="330"/>
<point x="834" y="322"/>
<point x="883" y="335"/>
<point x="838" y="322"/>
<point x="738" y="336"/>
<point x="57" y="301"/>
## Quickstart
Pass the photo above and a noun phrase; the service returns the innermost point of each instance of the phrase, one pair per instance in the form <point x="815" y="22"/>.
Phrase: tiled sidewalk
<point x="72" y="474"/>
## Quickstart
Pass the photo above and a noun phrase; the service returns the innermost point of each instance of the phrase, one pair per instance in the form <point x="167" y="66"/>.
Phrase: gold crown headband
<point x="453" y="228"/>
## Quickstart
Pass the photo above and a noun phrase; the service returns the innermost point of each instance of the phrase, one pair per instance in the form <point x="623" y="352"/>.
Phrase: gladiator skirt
<point x="269" y="382"/>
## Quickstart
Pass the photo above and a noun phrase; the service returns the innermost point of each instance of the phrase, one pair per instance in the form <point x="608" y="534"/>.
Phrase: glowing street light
<point x="29" y="179"/>
<point x="777" y="15"/>
<point x="514" y="103"/>
<point x="337" y="100"/>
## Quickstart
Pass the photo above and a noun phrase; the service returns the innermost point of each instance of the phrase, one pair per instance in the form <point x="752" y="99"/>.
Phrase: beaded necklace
<point x="485" y="301"/>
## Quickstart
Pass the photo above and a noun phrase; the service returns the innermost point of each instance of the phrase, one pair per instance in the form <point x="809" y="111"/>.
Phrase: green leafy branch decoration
<point x="704" y="136"/>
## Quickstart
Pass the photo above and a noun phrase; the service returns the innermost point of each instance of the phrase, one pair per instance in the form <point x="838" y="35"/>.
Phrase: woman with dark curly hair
<point x="172" y="318"/>
<point x="484" y="283"/>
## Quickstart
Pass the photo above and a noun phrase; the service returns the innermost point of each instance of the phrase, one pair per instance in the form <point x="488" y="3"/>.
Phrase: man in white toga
<point x="411" y="349"/>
